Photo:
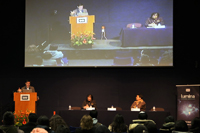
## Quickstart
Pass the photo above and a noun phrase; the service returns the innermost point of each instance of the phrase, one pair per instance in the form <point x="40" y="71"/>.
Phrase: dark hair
<point x="144" y="59"/>
<point x="33" y="117"/>
<point x="88" y="96"/>
<point x="151" y="127"/>
<point x="86" y="122"/>
<point x="43" y="120"/>
<point x="169" y="119"/>
<point x="142" y="115"/>
<point x="140" y="129"/>
<point x="8" y="118"/>
<point x="27" y="81"/>
<point x="55" y="121"/>
<point x="154" y="14"/>
<point x="62" y="129"/>
<point x="53" y="47"/>
<point x="195" y="125"/>
<point x="181" y="125"/>
<point x="118" y="124"/>
<point x="46" y="55"/>
<point x="80" y="4"/>
<point x="140" y="95"/>
<point x="94" y="113"/>
<point x="102" y="129"/>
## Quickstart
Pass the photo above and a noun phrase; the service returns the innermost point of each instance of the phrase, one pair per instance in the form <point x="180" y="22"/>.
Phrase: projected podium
<point x="81" y="23"/>
<point x="24" y="101"/>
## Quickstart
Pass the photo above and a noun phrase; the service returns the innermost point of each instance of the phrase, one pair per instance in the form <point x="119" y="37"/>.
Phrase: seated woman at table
<point x="89" y="102"/>
<point x="154" y="20"/>
<point x="139" y="103"/>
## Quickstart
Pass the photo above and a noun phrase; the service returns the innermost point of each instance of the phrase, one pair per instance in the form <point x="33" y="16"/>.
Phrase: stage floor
<point x="103" y="45"/>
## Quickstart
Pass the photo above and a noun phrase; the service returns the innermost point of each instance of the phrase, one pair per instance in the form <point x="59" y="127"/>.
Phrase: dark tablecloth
<point x="146" y="37"/>
<point x="73" y="117"/>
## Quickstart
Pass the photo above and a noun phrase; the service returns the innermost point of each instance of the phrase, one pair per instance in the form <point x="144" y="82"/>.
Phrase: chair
<point x="158" y="109"/>
<point x="137" y="25"/>
<point x="75" y="108"/>
<point x="73" y="129"/>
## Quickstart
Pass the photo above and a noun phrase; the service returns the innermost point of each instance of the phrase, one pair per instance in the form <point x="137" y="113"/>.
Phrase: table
<point x="73" y="117"/>
<point x="146" y="36"/>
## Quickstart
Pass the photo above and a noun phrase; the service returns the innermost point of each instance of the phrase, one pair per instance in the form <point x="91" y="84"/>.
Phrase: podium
<point x="24" y="101"/>
<point x="81" y="23"/>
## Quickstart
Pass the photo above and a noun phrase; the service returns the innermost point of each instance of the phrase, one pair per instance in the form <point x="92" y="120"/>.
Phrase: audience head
<point x="53" y="47"/>
<point x="89" y="98"/>
<point x="62" y="129"/>
<point x="144" y="59"/>
<point x="118" y="124"/>
<point x="181" y="125"/>
<point x="94" y="113"/>
<point x="142" y="115"/>
<point x="47" y="55"/>
<point x="56" y="121"/>
<point x="32" y="117"/>
<point x="169" y="119"/>
<point x="140" y="129"/>
<point x="43" y="120"/>
<point x="8" y="118"/>
<point x="39" y="130"/>
<point x="32" y="49"/>
<point x="86" y="122"/>
<point x="102" y="129"/>
<point x="151" y="127"/>
<point x="195" y="123"/>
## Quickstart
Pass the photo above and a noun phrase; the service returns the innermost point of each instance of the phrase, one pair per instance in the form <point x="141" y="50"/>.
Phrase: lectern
<point x="24" y="101"/>
<point x="81" y="23"/>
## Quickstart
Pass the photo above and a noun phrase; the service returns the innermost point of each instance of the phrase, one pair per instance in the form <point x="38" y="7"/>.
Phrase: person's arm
<point x="73" y="13"/>
<point x="85" y="11"/>
<point x="85" y="105"/>
<point x="142" y="105"/>
<point x="133" y="105"/>
<point x="161" y="21"/>
<point x="94" y="104"/>
<point x="33" y="89"/>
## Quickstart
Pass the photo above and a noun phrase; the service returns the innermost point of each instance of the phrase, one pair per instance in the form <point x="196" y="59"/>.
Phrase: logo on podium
<point x="81" y="20"/>
<point x="25" y="97"/>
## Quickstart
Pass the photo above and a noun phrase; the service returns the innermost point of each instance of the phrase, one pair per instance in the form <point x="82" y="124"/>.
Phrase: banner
<point x="188" y="103"/>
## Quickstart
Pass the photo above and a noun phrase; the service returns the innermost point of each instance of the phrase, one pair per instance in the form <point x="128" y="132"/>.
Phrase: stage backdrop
<point x="48" y="20"/>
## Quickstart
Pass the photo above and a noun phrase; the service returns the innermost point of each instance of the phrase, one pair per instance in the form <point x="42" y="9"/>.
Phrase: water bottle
<point x="112" y="106"/>
<point x="133" y="26"/>
<point x="154" y="108"/>
<point x="69" y="107"/>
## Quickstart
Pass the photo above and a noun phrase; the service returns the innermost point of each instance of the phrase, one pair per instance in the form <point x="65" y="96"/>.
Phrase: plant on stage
<point x="84" y="38"/>
<point x="21" y="118"/>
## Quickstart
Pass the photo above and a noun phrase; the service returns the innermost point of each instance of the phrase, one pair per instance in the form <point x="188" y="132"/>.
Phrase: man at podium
<point x="27" y="87"/>
<point x="80" y="11"/>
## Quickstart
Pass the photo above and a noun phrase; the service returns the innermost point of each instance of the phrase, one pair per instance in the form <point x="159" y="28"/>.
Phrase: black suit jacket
<point x="28" y="127"/>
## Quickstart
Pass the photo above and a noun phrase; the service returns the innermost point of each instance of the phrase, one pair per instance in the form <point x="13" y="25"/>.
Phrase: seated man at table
<point x="154" y="20"/>
<point x="80" y="11"/>
<point x="139" y="103"/>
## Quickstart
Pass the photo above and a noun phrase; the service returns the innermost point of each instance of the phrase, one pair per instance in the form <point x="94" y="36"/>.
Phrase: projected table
<point x="146" y="37"/>
<point x="73" y="117"/>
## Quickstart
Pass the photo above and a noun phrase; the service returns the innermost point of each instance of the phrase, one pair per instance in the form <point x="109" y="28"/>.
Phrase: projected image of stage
<point x="63" y="36"/>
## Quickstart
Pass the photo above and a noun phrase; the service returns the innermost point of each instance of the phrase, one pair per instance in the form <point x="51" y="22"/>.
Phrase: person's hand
<point x="19" y="90"/>
<point x="72" y="12"/>
<point x="86" y="106"/>
<point x="152" y="24"/>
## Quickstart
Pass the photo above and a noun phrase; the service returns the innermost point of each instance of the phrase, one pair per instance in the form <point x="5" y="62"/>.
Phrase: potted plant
<point x="21" y="118"/>
<point x="82" y="39"/>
